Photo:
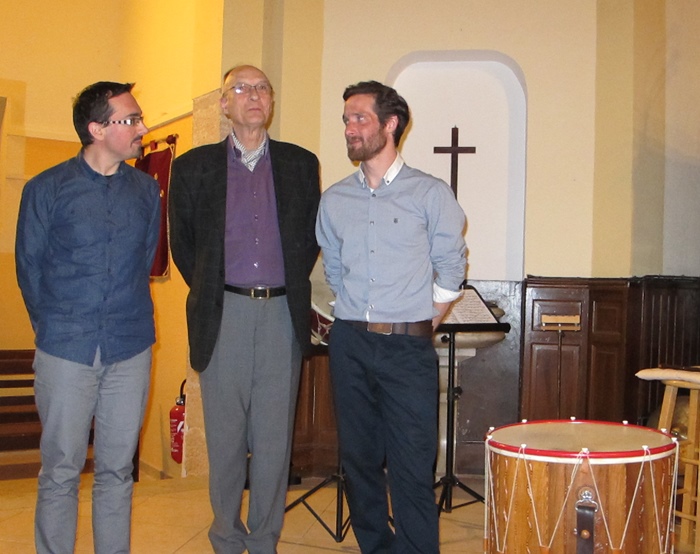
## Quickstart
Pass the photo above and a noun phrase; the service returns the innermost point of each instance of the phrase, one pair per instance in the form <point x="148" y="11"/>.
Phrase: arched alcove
<point x="483" y="94"/>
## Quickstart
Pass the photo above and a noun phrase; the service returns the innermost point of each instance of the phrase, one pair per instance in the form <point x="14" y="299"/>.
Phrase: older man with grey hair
<point x="242" y="216"/>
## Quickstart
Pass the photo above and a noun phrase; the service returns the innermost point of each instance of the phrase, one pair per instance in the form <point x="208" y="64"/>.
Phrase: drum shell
<point x="322" y="300"/>
<point x="321" y="323"/>
<point x="527" y="493"/>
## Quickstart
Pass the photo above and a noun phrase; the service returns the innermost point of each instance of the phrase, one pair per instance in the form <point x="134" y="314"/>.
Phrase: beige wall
<point x="628" y="216"/>
<point x="612" y="215"/>
<point x="649" y="137"/>
<point x="682" y="155"/>
<point x="293" y="54"/>
<point x="172" y="50"/>
<point x="56" y="48"/>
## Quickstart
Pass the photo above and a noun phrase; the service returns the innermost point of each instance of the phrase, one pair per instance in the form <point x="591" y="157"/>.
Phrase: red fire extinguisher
<point x="177" y="425"/>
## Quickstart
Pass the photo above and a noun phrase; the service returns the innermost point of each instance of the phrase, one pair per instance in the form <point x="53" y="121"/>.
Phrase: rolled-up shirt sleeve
<point x="448" y="250"/>
<point x="441" y="295"/>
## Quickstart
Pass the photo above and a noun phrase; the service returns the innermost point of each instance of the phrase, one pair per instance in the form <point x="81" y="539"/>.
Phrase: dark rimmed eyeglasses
<point x="131" y="121"/>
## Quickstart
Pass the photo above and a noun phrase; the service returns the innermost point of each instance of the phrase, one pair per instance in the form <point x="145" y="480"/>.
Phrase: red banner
<point x="157" y="165"/>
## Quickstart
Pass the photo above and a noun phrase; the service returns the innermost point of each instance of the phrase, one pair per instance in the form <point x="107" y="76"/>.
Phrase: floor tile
<point x="172" y="516"/>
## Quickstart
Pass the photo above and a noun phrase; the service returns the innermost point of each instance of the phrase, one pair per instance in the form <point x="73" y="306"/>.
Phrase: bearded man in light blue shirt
<point x="394" y="256"/>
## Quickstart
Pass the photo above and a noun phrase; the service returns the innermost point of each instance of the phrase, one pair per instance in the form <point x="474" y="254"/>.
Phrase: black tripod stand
<point x="342" y="524"/>
<point x="450" y="480"/>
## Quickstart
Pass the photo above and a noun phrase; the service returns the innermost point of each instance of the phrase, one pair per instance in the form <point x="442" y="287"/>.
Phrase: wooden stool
<point x="674" y="380"/>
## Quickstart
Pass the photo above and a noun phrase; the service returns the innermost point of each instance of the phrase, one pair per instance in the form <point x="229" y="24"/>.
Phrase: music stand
<point x="342" y="525"/>
<point x="472" y="308"/>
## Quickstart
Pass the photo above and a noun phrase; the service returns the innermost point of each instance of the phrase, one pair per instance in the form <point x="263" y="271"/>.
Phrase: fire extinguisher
<point x="177" y="425"/>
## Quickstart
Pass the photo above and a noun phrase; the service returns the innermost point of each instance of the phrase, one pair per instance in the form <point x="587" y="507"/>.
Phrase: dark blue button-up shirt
<point x="85" y="245"/>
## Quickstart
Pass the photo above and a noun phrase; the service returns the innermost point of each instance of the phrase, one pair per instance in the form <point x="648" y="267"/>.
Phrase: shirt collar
<point x="250" y="158"/>
<point x="390" y="174"/>
<point x="95" y="175"/>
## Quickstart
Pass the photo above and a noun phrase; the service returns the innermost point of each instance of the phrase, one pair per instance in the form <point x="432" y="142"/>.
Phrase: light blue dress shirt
<point x="389" y="253"/>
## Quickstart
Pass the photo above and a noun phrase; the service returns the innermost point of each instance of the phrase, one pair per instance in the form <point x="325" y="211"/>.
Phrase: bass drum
<point x="569" y="487"/>
<point x="322" y="300"/>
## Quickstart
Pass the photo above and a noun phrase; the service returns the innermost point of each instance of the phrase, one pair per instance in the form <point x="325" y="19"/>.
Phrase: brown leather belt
<point x="415" y="329"/>
<point x="258" y="293"/>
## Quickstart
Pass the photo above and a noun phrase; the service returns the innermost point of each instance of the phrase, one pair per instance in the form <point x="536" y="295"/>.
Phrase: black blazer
<point x="197" y="212"/>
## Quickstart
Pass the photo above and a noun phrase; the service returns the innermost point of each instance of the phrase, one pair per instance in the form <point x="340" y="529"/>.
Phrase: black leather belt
<point x="415" y="328"/>
<point x="258" y="293"/>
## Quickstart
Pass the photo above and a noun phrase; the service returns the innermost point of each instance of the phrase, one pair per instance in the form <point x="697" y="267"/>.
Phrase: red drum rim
<point x="328" y="314"/>
<point x="657" y="442"/>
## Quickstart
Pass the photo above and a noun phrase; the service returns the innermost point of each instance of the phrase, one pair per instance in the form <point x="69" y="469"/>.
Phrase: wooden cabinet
<point x="625" y="325"/>
<point x="553" y="358"/>
<point x="664" y="330"/>
<point x="574" y="345"/>
<point x="607" y="343"/>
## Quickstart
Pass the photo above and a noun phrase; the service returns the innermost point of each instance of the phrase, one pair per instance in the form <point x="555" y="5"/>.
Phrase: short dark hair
<point x="92" y="104"/>
<point x="387" y="102"/>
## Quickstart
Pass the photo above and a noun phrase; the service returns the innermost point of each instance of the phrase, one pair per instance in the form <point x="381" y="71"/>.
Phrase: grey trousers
<point x="249" y="392"/>
<point x="67" y="395"/>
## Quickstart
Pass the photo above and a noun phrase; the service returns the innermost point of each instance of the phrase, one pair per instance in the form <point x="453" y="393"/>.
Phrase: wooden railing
<point x="20" y="428"/>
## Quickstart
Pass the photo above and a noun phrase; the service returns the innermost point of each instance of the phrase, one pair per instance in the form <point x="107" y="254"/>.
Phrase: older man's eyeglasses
<point x="263" y="89"/>
<point x="131" y="121"/>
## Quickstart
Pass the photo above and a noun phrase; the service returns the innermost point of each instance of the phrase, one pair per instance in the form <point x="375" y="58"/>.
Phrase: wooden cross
<point x="455" y="150"/>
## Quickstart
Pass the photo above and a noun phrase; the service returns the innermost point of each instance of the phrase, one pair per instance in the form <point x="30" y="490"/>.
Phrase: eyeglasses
<point x="263" y="89"/>
<point x="131" y="121"/>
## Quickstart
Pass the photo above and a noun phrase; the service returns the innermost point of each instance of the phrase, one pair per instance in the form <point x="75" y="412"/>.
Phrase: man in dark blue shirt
<point x="86" y="236"/>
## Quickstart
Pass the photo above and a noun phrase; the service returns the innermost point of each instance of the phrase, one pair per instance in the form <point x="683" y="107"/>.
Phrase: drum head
<point x="567" y="439"/>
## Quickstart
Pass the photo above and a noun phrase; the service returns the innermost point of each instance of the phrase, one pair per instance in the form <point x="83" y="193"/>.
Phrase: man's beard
<point x="362" y="150"/>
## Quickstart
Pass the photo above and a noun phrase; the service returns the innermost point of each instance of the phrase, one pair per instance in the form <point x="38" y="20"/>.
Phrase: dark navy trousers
<point x="385" y="389"/>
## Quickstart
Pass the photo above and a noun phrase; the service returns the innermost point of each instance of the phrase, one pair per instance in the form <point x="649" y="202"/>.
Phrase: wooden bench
<point x="20" y="428"/>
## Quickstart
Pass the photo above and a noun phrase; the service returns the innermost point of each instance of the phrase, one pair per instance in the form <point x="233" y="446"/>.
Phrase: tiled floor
<point x="173" y="516"/>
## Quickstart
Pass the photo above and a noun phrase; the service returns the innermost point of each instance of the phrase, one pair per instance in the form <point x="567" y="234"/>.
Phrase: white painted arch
<point x="483" y="93"/>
